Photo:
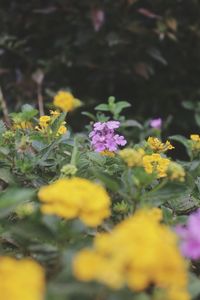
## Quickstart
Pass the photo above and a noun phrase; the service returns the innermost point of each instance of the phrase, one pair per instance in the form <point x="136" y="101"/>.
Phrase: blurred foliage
<point x="144" y="51"/>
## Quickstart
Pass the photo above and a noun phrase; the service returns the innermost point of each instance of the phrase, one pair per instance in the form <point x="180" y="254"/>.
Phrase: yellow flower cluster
<point x="195" y="142"/>
<point x="46" y="121"/>
<point x="138" y="252"/>
<point x="66" y="101"/>
<point x="132" y="157"/>
<point x="156" y="145"/>
<point x="76" y="198"/>
<point x="175" y="171"/>
<point x="22" y="125"/>
<point x="156" y="163"/>
<point x="21" y="279"/>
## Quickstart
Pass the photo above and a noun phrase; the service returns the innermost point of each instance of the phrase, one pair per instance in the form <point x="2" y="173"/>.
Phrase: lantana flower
<point x="103" y="137"/>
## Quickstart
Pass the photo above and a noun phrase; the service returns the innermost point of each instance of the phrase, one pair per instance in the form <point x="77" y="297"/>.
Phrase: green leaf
<point x="194" y="286"/>
<point x="181" y="139"/>
<point x="6" y="176"/>
<point x="102" y="107"/>
<point x="58" y="121"/>
<point x="171" y="193"/>
<point x="197" y="118"/>
<point x="119" y="106"/>
<point x="185" y="142"/>
<point x="188" y="105"/>
<point x="11" y="197"/>
<point x="107" y="180"/>
<point x="89" y="115"/>
<point x="131" y="123"/>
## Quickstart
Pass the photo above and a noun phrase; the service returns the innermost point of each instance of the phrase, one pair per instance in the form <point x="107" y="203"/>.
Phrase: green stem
<point x="74" y="152"/>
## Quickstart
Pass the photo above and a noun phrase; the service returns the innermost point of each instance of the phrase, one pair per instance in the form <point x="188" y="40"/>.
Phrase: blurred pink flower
<point x="98" y="18"/>
<point x="190" y="236"/>
<point x="156" y="123"/>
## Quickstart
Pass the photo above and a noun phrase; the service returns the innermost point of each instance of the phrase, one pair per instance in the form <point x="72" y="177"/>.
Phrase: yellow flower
<point x="44" y="121"/>
<point x="54" y="113"/>
<point x="76" y="198"/>
<point x="66" y="101"/>
<point x="156" y="145"/>
<point x="195" y="142"/>
<point x="62" y="129"/>
<point x="156" y="163"/>
<point x="107" y="153"/>
<point x="195" y="137"/>
<point x="176" y="171"/>
<point x="132" y="157"/>
<point x="22" y="125"/>
<point x="21" y="279"/>
<point x="138" y="252"/>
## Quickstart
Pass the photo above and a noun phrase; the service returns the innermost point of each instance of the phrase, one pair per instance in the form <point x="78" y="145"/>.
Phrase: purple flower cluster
<point x="103" y="136"/>
<point x="190" y="236"/>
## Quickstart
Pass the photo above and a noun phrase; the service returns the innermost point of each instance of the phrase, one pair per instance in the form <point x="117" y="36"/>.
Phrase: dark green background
<point x="126" y="58"/>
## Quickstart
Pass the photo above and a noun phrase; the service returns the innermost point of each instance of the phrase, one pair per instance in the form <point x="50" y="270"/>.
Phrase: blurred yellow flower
<point x="138" y="252"/>
<point x="22" y="125"/>
<point x="44" y="121"/>
<point x="195" y="142"/>
<point x="132" y="157"/>
<point x="175" y="171"/>
<point x="107" y="153"/>
<point x="21" y="279"/>
<point x="156" y="163"/>
<point x="156" y="145"/>
<point x="54" y="113"/>
<point x="66" y="101"/>
<point x="62" y="129"/>
<point x="195" y="137"/>
<point x="76" y="198"/>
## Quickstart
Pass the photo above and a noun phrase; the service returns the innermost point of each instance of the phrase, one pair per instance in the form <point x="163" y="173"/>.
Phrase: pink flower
<point x="156" y="123"/>
<point x="103" y="136"/>
<point x="98" y="18"/>
<point x="190" y="236"/>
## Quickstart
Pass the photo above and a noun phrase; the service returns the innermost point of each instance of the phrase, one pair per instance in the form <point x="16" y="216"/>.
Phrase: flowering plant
<point x="103" y="213"/>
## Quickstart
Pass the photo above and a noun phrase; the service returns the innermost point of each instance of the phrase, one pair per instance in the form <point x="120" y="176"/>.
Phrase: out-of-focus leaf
<point x="156" y="54"/>
<point x="11" y="197"/>
<point x="188" y="105"/>
<point x="103" y="107"/>
<point x="109" y="182"/>
<point x="6" y="176"/>
<point x="194" y="286"/>
<point x="131" y="123"/>
<point x="197" y="118"/>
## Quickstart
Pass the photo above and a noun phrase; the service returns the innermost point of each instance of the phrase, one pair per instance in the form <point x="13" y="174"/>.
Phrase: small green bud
<point x="121" y="207"/>
<point x="68" y="170"/>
